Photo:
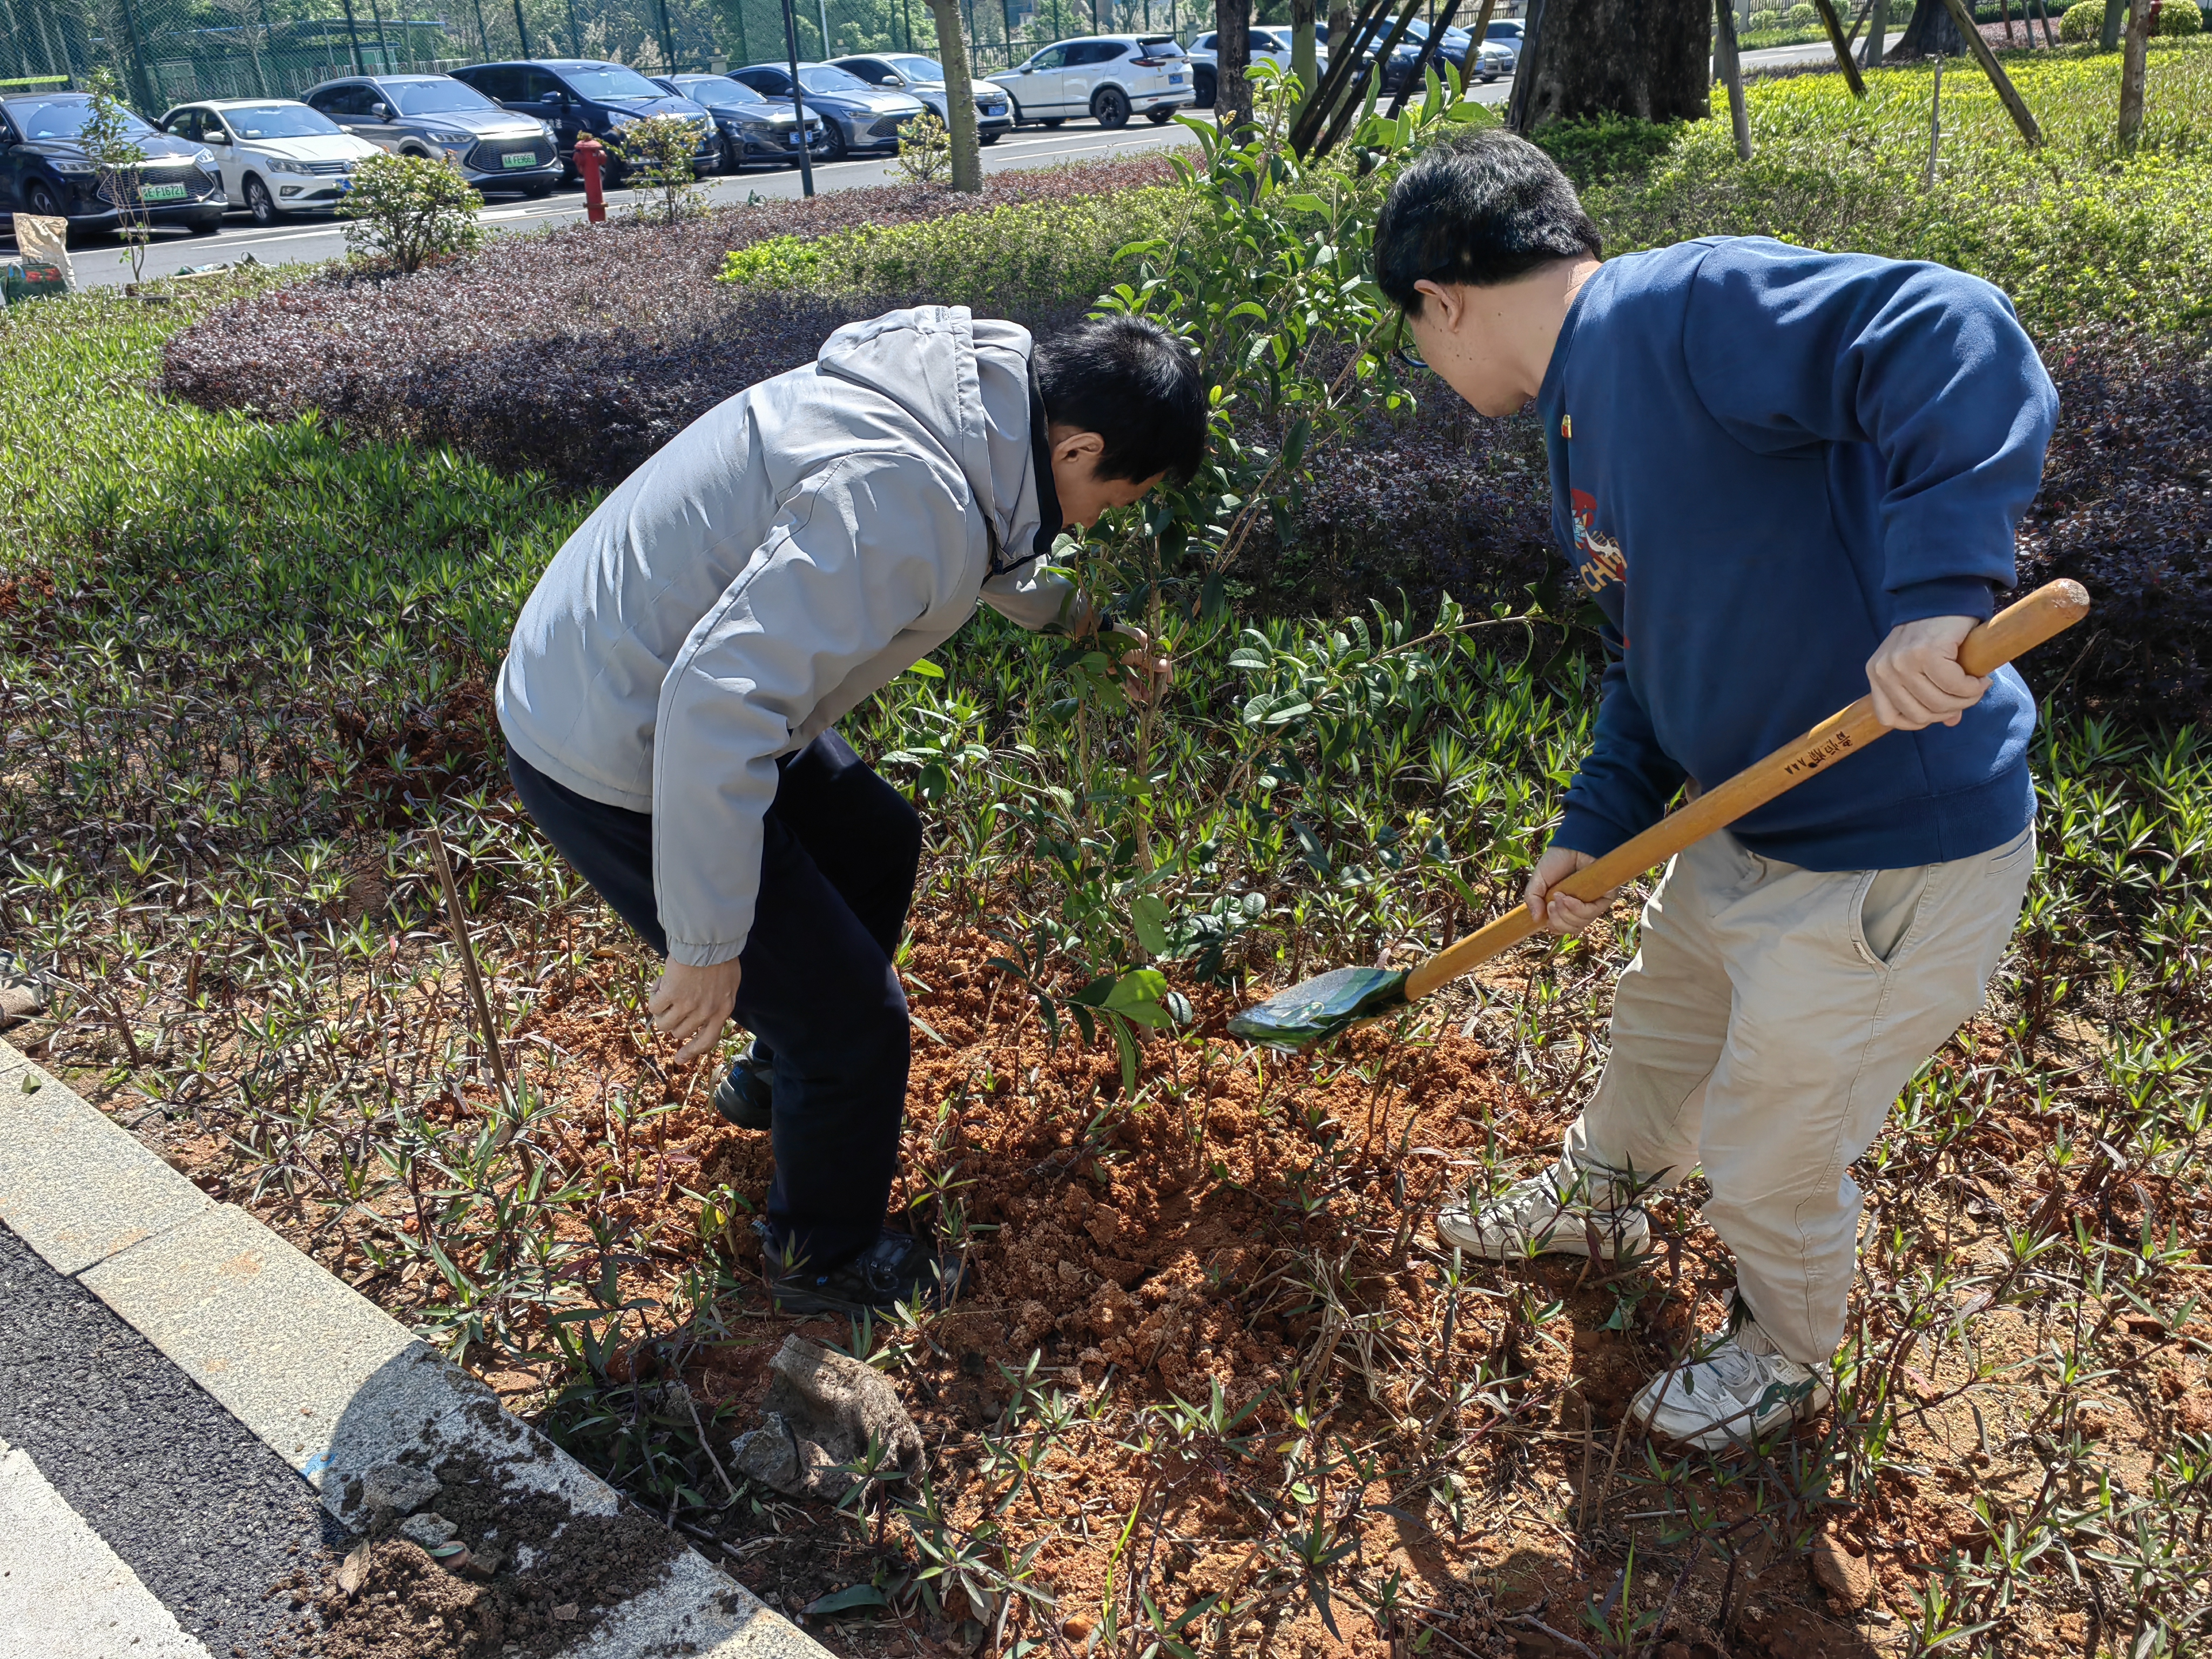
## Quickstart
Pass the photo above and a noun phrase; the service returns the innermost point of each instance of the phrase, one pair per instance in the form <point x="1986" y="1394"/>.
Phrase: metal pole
<point x="575" y="31"/>
<point x="521" y="30"/>
<point x="667" y="40"/>
<point x="822" y="8"/>
<point x="353" y="32"/>
<point x="798" y="99"/>
<point x="483" y="35"/>
<point x="744" y="51"/>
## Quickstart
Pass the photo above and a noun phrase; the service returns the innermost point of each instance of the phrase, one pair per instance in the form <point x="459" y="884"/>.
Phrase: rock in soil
<point x="823" y="1410"/>
<point x="398" y="1489"/>
<point x="1846" y="1576"/>
<point x="22" y="996"/>
<point x="428" y="1531"/>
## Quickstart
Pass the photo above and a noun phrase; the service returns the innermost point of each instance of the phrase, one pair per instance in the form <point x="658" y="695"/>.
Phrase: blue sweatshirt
<point x="1763" y="459"/>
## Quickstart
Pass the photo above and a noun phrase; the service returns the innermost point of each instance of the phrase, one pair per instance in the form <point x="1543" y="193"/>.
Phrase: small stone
<point x="1078" y="1629"/>
<point x="565" y="1613"/>
<point x="399" y="1488"/>
<point x="428" y="1531"/>
<point x="1845" y="1576"/>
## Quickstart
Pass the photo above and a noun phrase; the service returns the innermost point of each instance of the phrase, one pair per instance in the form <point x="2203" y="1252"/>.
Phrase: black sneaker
<point x="897" y="1268"/>
<point x="743" y="1096"/>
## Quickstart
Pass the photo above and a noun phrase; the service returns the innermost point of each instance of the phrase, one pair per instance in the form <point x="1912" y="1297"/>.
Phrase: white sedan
<point x="276" y="155"/>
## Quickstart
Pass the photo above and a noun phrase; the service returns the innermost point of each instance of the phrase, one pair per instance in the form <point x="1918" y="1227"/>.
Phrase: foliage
<point x="580" y="352"/>
<point x="1593" y="149"/>
<point x="1065" y="248"/>
<point x="925" y="150"/>
<point x="2079" y="230"/>
<point x="1802" y="15"/>
<point x="657" y="153"/>
<point x="405" y="211"/>
<point x="1762" y="22"/>
<point x="2180" y="18"/>
<point x="119" y="159"/>
<point x="2083" y="23"/>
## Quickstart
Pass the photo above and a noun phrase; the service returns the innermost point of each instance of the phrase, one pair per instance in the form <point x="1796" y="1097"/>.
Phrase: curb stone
<point x="321" y="1375"/>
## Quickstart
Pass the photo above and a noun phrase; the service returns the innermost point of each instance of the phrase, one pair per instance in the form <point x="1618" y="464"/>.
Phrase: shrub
<point x="578" y="352"/>
<point x="1763" y="22"/>
<point x="2123" y="511"/>
<point x="2082" y="23"/>
<point x="1064" y="248"/>
<point x="2180" y="17"/>
<point x="405" y="210"/>
<point x="657" y="153"/>
<point x="925" y="151"/>
<point x="1803" y="16"/>
<point x="1596" y="149"/>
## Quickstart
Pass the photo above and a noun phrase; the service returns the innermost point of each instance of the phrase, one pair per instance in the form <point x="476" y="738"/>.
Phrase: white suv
<point x="1109" y="76"/>
<point x="1266" y="45"/>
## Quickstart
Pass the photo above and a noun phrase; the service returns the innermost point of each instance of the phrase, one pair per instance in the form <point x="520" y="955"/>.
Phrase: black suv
<point x="43" y="169"/>
<point x="576" y="95"/>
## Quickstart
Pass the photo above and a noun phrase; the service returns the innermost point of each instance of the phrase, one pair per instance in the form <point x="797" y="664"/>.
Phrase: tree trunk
<point x="1877" y="34"/>
<point x="1305" y="57"/>
<point x="1930" y="32"/>
<point x="1232" y="45"/>
<point x="2132" y="68"/>
<point x="1645" y="57"/>
<point x="959" y="95"/>
<point x="2115" y="15"/>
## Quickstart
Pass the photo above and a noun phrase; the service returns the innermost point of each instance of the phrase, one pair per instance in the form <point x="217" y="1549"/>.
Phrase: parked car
<point x="275" y="155"/>
<point x="1491" y="61"/>
<point x="860" y="117"/>
<point x="1511" y="33"/>
<point x="43" y="170"/>
<point x="924" y="78"/>
<point x="1271" y="45"/>
<point x="752" y="128"/>
<point x="1107" y="76"/>
<point x="435" y="115"/>
<point x="577" y="96"/>
<point x="1370" y="41"/>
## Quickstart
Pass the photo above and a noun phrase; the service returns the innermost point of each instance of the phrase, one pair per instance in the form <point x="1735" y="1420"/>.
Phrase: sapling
<point x="120" y="162"/>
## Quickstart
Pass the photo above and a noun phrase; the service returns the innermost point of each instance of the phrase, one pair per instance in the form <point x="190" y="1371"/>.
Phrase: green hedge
<point x="1061" y="248"/>
<point x="2078" y="231"/>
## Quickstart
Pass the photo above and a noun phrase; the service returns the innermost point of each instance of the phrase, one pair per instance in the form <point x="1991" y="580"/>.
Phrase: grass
<point x="243" y="666"/>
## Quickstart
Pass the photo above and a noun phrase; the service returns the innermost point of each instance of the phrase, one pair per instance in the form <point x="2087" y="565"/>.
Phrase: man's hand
<point x="1561" y="913"/>
<point x="692" y="1005"/>
<point x="1144" y="675"/>
<point x="1916" y="678"/>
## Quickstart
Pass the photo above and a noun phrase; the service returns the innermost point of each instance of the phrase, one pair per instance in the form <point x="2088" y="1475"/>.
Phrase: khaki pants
<point x="1769" y="1020"/>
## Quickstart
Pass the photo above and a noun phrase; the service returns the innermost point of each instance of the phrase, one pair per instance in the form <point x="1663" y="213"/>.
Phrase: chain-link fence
<point x="165" y="51"/>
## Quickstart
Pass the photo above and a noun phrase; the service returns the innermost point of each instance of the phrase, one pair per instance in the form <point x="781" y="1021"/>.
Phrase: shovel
<point x="1319" y="1008"/>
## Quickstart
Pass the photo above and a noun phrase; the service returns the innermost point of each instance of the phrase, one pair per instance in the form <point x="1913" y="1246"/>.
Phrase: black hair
<point x="1481" y="209"/>
<point x="1136" y="386"/>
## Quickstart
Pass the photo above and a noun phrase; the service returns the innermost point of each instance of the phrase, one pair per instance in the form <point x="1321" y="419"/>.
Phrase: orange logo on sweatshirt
<point x="1599" y="560"/>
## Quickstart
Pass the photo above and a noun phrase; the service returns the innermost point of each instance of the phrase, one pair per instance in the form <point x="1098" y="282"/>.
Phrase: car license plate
<point x="162" y="194"/>
<point x="528" y="159"/>
<point x="1175" y="80"/>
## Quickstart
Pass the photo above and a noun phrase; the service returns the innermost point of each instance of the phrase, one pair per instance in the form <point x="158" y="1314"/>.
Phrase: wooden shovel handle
<point x="2052" y="608"/>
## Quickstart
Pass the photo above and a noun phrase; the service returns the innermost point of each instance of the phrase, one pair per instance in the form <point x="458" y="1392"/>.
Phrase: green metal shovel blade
<point x="1319" y="1008"/>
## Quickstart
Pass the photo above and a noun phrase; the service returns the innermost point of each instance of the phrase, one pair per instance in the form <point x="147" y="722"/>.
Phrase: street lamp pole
<point x="798" y="99"/>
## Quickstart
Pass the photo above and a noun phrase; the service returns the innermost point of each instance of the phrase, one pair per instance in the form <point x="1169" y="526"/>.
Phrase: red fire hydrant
<point x="590" y="156"/>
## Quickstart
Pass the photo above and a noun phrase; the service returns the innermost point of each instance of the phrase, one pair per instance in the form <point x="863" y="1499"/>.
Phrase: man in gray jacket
<point x="670" y="696"/>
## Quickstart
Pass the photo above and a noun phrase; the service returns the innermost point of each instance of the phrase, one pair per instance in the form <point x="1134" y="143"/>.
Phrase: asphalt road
<point x="211" y="1519"/>
<point x="102" y="261"/>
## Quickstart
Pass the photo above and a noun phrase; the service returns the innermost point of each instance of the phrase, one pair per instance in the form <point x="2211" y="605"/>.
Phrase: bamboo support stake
<point x="1731" y="75"/>
<point x="1935" y="123"/>
<point x="2015" y="106"/>
<point x="1834" y="25"/>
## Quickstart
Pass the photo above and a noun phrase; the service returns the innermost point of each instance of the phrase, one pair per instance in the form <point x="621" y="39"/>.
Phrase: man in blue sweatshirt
<point x="1786" y="478"/>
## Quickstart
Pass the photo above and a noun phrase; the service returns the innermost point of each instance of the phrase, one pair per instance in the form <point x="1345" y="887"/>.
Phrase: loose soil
<point x="1259" y="1225"/>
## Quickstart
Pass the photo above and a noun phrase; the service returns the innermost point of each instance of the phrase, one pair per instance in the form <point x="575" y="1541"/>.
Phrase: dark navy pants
<point x="818" y="990"/>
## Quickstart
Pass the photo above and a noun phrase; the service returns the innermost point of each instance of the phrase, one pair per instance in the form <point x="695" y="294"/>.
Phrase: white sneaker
<point x="1740" y="1388"/>
<point x="1534" y="1217"/>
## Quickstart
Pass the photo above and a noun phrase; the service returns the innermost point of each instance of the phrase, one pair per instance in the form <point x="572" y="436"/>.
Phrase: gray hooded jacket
<point x="790" y="553"/>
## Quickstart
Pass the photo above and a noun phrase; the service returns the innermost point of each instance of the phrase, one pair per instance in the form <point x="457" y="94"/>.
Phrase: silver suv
<point x="435" y="115"/>
<point x="1106" y="76"/>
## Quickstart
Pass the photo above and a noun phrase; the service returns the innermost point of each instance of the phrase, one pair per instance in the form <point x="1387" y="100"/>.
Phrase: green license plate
<point x="162" y="194"/>
<point x="526" y="161"/>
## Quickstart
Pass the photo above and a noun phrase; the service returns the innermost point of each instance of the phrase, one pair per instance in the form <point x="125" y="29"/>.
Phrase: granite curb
<point x="319" y="1374"/>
